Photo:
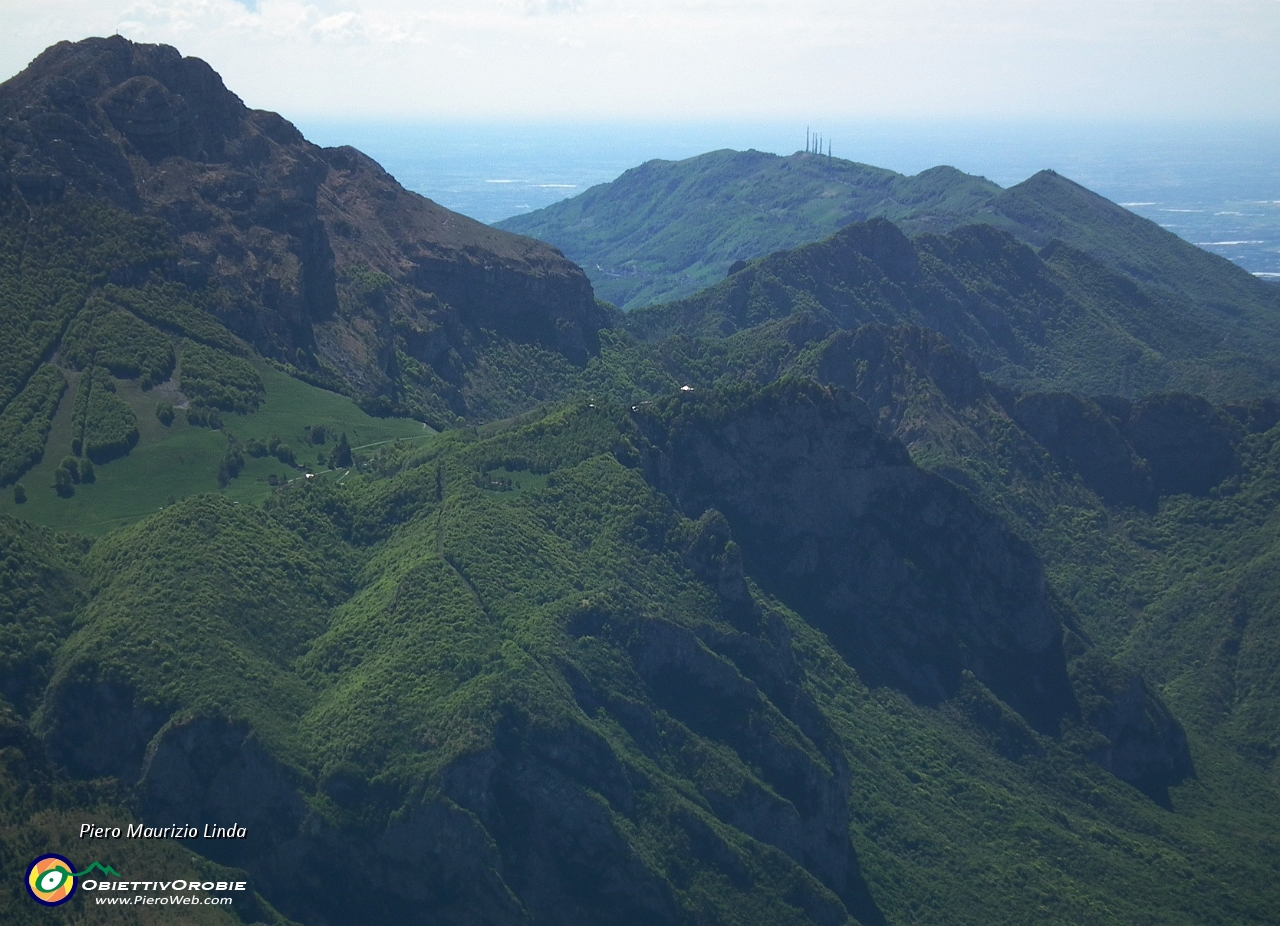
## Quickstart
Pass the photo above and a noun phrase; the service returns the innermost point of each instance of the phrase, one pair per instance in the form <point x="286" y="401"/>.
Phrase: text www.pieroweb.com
<point x="173" y="900"/>
<point x="163" y="893"/>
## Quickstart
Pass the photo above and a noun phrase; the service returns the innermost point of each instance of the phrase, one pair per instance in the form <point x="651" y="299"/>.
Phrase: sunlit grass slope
<point x="174" y="461"/>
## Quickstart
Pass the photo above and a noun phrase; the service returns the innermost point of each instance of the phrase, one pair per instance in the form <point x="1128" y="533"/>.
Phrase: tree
<point x="19" y="494"/>
<point x="164" y="411"/>
<point x="86" y="471"/>
<point x="342" y="452"/>
<point x="62" y="483"/>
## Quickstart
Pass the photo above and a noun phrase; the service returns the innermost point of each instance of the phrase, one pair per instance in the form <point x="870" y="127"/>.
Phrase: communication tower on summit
<point x="813" y="143"/>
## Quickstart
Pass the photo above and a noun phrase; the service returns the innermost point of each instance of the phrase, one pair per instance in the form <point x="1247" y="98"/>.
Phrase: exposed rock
<point x="1084" y="440"/>
<point x="96" y="727"/>
<point x="210" y="769"/>
<point x="714" y="558"/>
<point x="1145" y="744"/>
<point x="1190" y="445"/>
<point x="805" y="813"/>
<point x="908" y="577"/>
<point x="561" y="853"/>
<point x="288" y="234"/>
<point x="894" y="354"/>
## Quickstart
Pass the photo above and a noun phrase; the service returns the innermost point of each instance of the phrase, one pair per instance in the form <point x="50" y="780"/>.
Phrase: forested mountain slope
<point x="538" y="679"/>
<point x="1056" y="318"/>
<point x="667" y="229"/>
<point x="664" y="230"/>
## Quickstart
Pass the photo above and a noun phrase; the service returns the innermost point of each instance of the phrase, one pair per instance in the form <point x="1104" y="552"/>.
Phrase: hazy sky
<point x="682" y="59"/>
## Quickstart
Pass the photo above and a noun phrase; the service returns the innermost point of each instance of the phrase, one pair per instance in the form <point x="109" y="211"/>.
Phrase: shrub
<point x="103" y="427"/>
<point x="164" y="411"/>
<point x="62" y="483"/>
<point x="232" y="462"/>
<point x="203" y="417"/>
<point x="19" y="494"/>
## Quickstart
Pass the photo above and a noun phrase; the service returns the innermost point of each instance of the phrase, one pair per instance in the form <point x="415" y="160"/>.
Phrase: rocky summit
<point x="319" y="257"/>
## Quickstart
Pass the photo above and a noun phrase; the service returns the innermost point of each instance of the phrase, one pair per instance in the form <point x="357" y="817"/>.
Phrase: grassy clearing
<point x="171" y="463"/>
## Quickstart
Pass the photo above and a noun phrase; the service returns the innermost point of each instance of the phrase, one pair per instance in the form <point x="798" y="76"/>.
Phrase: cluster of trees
<point x="103" y="426"/>
<point x="25" y="422"/>
<point x="108" y="336"/>
<point x="70" y="473"/>
<point x="216" y="380"/>
<point x="232" y="462"/>
<point x="273" y="447"/>
<point x="172" y="307"/>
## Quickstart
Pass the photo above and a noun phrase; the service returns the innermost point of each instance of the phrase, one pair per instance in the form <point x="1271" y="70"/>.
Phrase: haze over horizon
<point x="1156" y="60"/>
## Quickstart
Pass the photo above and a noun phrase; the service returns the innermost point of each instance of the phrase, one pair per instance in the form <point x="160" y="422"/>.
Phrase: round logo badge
<point x="50" y="880"/>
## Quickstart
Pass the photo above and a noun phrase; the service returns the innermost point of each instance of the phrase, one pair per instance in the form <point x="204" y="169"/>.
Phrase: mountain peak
<point x="281" y="238"/>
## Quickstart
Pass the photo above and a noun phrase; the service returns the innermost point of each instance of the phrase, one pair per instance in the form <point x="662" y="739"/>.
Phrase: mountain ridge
<point x="741" y="205"/>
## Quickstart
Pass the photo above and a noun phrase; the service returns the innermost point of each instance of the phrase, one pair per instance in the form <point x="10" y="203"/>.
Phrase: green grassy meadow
<point x="173" y="462"/>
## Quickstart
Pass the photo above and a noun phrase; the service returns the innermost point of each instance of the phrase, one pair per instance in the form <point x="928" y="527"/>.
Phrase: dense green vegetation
<point x="103" y="425"/>
<point x="50" y="256"/>
<point x="667" y="626"/>
<point x="172" y="307"/>
<point x="1054" y="320"/>
<point x="457" y="609"/>
<point x="38" y="592"/>
<point x="666" y="229"/>
<point x="25" y="422"/>
<point x="215" y="379"/>
<point x="114" y="339"/>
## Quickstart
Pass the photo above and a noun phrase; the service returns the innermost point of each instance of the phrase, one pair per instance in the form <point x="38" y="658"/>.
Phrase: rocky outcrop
<point x="895" y="355"/>
<point x="912" y="582"/>
<point x="1134" y="453"/>
<point x="1146" y="746"/>
<point x="741" y="690"/>
<point x="97" y="727"/>
<point x="1190" y="445"/>
<point x="210" y="769"/>
<point x="1142" y="742"/>
<point x="1083" y="439"/>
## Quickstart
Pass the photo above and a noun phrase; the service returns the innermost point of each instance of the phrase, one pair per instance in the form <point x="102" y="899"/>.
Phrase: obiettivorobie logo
<point x="52" y="879"/>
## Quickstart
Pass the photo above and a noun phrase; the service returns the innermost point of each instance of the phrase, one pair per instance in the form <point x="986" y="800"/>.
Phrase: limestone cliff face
<point x="315" y="256"/>
<point x="911" y="580"/>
